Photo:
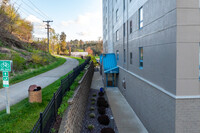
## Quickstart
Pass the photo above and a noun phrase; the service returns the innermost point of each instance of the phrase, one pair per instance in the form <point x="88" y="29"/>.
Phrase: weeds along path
<point x="19" y="91"/>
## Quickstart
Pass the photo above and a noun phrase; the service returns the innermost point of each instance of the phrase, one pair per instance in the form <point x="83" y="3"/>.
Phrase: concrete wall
<point x="188" y="38"/>
<point x="155" y="109"/>
<point x="166" y="92"/>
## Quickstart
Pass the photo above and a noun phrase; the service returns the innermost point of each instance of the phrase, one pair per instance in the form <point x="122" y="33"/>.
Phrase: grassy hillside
<point x="27" y="62"/>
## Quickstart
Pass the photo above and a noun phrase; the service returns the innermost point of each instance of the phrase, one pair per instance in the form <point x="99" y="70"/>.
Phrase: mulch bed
<point x="94" y="121"/>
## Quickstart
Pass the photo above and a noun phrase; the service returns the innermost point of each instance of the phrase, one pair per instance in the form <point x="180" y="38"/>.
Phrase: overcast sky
<point x="79" y="19"/>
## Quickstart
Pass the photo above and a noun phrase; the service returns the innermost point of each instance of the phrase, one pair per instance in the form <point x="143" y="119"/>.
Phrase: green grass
<point x="69" y="94"/>
<point x="31" y="73"/>
<point x="24" y="114"/>
<point x="77" y="58"/>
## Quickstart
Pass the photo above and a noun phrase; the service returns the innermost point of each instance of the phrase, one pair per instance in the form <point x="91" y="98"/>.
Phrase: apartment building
<point x="156" y="43"/>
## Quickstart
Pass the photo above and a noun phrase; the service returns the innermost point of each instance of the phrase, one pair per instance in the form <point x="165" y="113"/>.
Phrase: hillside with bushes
<point x="16" y="44"/>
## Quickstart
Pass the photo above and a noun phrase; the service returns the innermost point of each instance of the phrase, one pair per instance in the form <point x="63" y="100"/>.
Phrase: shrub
<point x="90" y="127"/>
<point x="92" y="115"/>
<point x="101" y="98"/>
<point x="94" y="95"/>
<point x="107" y="130"/>
<point x="93" y="99"/>
<point x="101" y="93"/>
<point x="102" y="110"/>
<point x="102" y="103"/>
<point x="92" y="108"/>
<point x="103" y="119"/>
<point x="36" y="58"/>
<point x="18" y="62"/>
<point x="93" y="103"/>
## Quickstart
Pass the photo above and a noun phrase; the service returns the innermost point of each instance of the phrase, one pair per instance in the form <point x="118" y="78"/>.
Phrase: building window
<point x="124" y="5"/>
<point x="117" y="15"/>
<point x="131" y="57"/>
<point x="124" y="55"/>
<point x="131" y="27"/>
<point x="141" y="57"/>
<point x="199" y="60"/>
<point x="117" y="53"/>
<point x="141" y="15"/>
<point x="117" y="35"/>
<point x="124" y="29"/>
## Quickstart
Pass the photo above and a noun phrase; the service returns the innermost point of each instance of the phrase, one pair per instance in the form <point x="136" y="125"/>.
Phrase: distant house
<point x="79" y="54"/>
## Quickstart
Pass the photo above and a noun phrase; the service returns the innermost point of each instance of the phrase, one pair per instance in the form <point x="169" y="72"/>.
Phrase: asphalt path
<point x="19" y="91"/>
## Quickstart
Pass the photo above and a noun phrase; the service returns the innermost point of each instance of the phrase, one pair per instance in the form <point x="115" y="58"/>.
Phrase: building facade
<point x="156" y="43"/>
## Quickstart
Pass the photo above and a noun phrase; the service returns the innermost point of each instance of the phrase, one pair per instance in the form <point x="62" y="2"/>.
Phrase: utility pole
<point x="48" y="27"/>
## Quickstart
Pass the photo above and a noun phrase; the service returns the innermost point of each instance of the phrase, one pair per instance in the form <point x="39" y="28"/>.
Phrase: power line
<point x="39" y="9"/>
<point x="33" y="9"/>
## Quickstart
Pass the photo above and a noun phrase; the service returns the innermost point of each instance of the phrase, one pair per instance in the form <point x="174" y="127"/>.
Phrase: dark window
<point x="117" y="53"/>
<point x="131" y="27"/>
<point x="117" y="35"/>
<point x="141" y="57"/>
<point x="131" y="57"/>
<point x="124" y="28"/>
<point x="124" y="5"/>
<point x="124" y="56"/>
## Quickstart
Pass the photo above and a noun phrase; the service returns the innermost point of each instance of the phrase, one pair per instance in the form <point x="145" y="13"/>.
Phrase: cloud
<point x="86" y="26"/>
<point x="33" y="19"/>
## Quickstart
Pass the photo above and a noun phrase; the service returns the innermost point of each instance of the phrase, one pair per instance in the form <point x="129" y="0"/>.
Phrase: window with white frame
<point x="141" y="18"/>
<point x="117" y="35"/>
<point x="117" y="15"/>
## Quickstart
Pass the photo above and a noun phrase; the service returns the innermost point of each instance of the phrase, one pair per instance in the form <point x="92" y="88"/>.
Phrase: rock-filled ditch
<point x="98" y="116"/>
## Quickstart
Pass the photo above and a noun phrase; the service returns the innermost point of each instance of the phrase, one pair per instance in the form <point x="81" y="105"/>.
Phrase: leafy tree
<point x="63" y="43"/>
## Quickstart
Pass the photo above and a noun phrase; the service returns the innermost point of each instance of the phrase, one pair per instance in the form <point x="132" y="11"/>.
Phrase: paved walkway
<point x="125" y="118"/>
<point x="19" y="91"/>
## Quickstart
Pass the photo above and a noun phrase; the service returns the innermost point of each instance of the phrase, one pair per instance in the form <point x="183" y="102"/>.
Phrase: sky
<point x="79" y="19"/>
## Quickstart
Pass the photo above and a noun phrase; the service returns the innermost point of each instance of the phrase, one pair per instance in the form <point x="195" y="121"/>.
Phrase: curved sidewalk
<point x="19" y="91"/>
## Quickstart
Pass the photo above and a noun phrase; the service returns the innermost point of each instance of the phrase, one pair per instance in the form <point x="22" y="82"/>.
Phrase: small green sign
<point x="5" y="65"/>
<point x="5" y="78"/>
<point x="5" y="74"/>
<point x="5" y="81"/>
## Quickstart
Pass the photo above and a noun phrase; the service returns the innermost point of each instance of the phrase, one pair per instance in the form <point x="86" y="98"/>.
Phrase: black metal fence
<point x="48" y="117"/>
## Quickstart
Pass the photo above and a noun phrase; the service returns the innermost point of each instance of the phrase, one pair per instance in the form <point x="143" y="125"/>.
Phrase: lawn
<point x="31" y="73"/>
<point x="77" y="58"/>
<point x="24" y="114"/>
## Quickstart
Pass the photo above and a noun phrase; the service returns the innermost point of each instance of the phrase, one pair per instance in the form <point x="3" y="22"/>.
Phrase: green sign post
<point x="5" y="67"/>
